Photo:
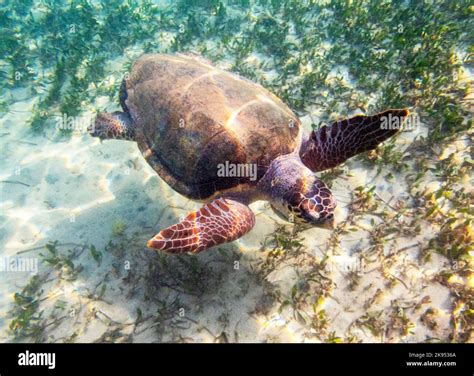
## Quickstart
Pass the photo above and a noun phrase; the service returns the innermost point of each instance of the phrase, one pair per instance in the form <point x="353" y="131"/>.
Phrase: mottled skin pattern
<point x="328" y="147"/>
<point x="117" y="125"/>
<point x="188" y="117"/>
<point x="296" y="194"/>
<point x="217" y="222"/>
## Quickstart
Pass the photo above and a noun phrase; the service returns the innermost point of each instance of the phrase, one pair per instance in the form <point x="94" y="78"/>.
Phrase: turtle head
<point x="310" y="203"/>
<point x="297" y="195"/>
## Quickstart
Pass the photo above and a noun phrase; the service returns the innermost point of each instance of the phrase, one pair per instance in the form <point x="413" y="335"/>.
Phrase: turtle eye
<point x="295" y="199"/>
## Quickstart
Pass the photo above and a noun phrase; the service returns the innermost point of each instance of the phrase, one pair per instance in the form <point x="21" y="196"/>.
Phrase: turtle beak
<point x="330" y="224"/>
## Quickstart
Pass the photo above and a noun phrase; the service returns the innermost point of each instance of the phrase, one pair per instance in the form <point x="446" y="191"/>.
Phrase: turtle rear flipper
<point x="333" y="145"/>
<point x="117" y="125"/>
<point x="220" y="221"/>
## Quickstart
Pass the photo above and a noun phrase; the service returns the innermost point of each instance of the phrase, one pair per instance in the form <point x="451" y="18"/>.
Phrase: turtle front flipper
<point x="117" y="125"/>
<point x="220" y="221"/>
<point x="331" y="146"/>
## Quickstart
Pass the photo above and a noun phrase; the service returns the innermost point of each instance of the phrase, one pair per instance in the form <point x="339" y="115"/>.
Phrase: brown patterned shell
<point x="191" y="117"/>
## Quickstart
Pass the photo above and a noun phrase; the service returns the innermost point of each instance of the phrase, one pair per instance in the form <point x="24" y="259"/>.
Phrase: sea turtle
<point x="221" y="139"/>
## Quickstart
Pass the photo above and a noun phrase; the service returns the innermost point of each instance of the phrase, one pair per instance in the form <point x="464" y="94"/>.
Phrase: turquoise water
<point x="76" y="213"/>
